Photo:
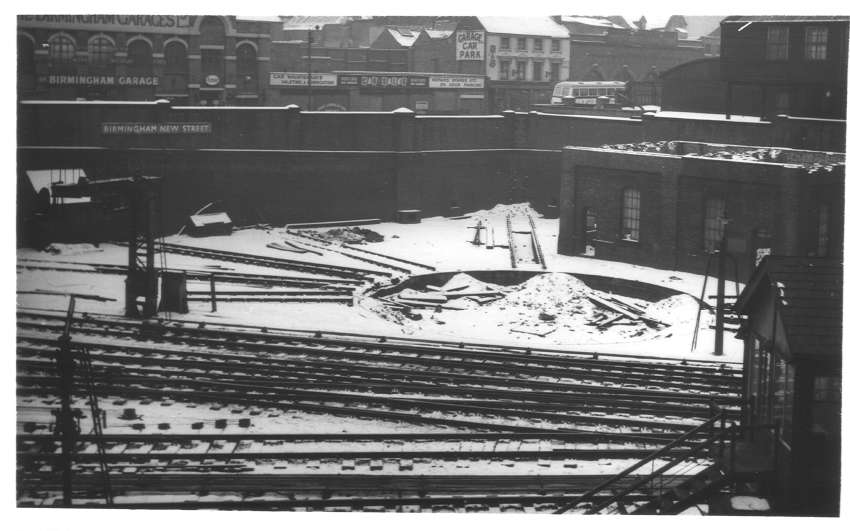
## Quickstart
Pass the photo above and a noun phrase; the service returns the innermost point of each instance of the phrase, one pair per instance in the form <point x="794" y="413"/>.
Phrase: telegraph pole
<point x="721" y="291"/>
<point x="310" y="68"/>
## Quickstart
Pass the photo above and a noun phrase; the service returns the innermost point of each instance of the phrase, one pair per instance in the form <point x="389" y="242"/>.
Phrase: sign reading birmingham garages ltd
<point x="149" y="23"/>
<point x="148" y="128"/>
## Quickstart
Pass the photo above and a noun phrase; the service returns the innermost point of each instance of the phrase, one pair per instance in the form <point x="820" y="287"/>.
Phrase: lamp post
<point x="310" y="67"/>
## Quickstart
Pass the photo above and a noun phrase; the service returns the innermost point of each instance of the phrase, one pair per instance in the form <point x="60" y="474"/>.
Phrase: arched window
<point x="246" y="67"/>
<point x="212" y="31"/>
<point x="61" y="49"/>
<point x="139" y="57"/>
<point x="101" y="51"/>
<point x="26" y="55"/>
<point x="715" y="211"/>
<point x="175" y="58"/>
<point x="631" y="214"/>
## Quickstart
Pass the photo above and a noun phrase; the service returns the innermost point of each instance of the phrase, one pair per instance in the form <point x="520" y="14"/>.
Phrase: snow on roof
<point x="591" y="21"/>
<point x="543" y="26"/>
<point x="700" y="26"/>
<point x="439" y="34"/>
<point x="303" y="23"/>
<point x="259" y="18"/>
<point x="45" y="178"/>
<point x="785" y="18"/>
<point x="403" y="36"/>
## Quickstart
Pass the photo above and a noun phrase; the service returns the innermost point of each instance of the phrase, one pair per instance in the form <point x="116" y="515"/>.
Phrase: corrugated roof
<point x="785" y="18"/>
<point x="810" y="298"/>
<point x="535" y="26"/>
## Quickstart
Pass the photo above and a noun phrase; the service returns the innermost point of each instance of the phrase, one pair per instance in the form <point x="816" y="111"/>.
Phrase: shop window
<point x="61" y="49"/>
<point x="715" y="211"/>
<point x="538" y="45"/>
<point x="504" y="69"/>
<point x="246" y="68"/>
<point x="101" y="51"/>
<point x="777" y="43"/>
<point x="631" y="214"/>
<point x="520" y="70"/>
<point x="537" y="71"/>
<point x="505" y="43"/>
<point x="556" y="72"/>
<point x="823" y="230"/>
<point x="521" y="43"/>
<point x="815" y="48"/>
<point x="139" y="57"/>
<point x="556" y="46"/>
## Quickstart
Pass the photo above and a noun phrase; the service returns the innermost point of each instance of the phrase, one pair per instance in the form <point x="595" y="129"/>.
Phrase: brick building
<point x="659" y="204"/>
<point x="195" y="60"/>
<point x="769" y="65"/>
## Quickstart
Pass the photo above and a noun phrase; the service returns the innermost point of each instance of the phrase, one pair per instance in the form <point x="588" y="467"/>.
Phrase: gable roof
<point x="809" y="294"/>
<point x="534" y="26"/>
<point x="403" y="36"/>
<point x="785" y="18"/>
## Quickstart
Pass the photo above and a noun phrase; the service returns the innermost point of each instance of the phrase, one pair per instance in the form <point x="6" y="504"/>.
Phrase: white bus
<point x="586" y="92"/>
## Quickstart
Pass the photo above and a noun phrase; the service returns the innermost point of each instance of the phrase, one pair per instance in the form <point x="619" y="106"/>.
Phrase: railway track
<point x="275" y="263"/>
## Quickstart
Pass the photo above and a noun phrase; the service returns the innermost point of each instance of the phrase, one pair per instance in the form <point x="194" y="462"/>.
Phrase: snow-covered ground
<point x="443" y="243"/>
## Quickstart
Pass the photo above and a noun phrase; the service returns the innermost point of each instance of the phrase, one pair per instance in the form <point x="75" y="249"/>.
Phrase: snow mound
<point x="71" y="249"/>
<point x="673" y="310"/>
<point x="552" y="293"/>
<point x="515" y="209"/>
<point x="472" y="284"/>
<point x="749" y="503"/>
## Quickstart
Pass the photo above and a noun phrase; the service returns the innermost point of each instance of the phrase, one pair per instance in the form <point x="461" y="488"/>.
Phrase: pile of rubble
<point x="350" y="235"/>
<point x="456" y="294"/>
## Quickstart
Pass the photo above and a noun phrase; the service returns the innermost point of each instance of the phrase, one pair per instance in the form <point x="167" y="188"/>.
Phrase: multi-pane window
<point x="823" y="230"/>
<point x="631" y="214"/>
<point x="139" y="57"/>
<point x="521" y="44"/>
<point x="504" y="69"/>
<point x="783" y="397"/>
<point x="815" y="49"/>
<point x="537" y="71"/>
<point x="101" y="51"/>
<point x="556" y="71"/>
<point x="505" y="43"/>
<point x="62" y="49"/>
<point x="538" y="45"/>
<point x="713" y="223"/>
<point x="556" y="46"/>
<point x="175" y="58"/>
<point x="777" y="43"/>
<point x="520" y="70"/>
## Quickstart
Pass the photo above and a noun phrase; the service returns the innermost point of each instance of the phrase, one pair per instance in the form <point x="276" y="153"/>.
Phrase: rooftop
<point x="542" y="26"/>
<point x="785" y="18"/>
<point x="809" y="291"/>
<point x="810" y="160"/>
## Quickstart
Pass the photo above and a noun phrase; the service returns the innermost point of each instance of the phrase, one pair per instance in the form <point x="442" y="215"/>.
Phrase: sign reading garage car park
<point x="470" y="45"/>
<point x="148" y="128"/>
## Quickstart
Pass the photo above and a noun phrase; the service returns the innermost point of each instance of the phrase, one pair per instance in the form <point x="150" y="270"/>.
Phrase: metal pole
<point x="310" y="69"/>
<point x="721" y="296"/>
<point x="66" y="425"/>
<point x="212" y="292"/>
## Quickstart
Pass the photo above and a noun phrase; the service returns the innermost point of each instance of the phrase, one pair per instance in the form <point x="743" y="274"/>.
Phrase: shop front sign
<point x="155" y="128"/>
<point x="299" y="79"/>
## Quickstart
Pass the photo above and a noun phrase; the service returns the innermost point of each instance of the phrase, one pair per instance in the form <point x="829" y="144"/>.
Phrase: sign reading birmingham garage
<point x="102" y="81"/>
<point x="148" y="128"/>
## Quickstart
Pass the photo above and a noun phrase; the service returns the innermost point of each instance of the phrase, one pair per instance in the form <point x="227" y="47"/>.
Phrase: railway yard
<point x="453" y="365"/>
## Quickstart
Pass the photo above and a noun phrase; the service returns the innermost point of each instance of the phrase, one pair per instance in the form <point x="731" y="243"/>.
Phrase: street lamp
<point x="310" y="67"/>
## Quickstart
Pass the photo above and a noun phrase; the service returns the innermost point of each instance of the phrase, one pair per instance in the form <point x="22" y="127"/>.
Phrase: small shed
<point x="792" y="377"/>
<point x="212" y="224"/>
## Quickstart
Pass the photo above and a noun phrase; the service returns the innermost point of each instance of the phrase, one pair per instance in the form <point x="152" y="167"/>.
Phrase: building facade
<point x="769" y="65"/>
<point x="662" y="204"/>
<point x="792" y="379"/>
<point x="190" y="60"/>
